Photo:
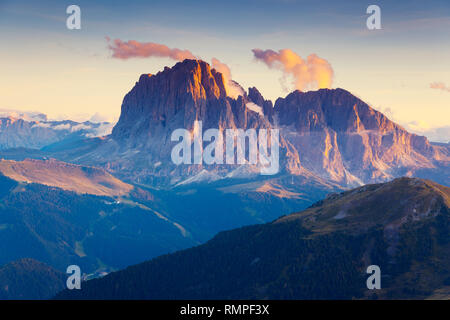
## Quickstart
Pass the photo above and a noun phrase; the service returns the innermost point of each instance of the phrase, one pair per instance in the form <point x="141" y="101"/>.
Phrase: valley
<point x="310" y="254"/>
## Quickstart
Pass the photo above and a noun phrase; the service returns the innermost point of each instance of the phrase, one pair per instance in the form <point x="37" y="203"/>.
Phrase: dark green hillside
<point x="29" y="279"/>
<point x="61" y="228"/>
<point x="320" y="253"/>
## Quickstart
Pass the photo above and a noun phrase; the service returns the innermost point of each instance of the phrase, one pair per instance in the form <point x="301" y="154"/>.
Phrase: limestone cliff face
<point x="176" y="97"/>
<point x="326" y="134"/>
<point x="342" y="138"/>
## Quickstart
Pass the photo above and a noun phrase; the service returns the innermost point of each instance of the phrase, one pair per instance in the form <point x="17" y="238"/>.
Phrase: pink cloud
<point x="135" y="49"/>
<point x="440" y="86"/>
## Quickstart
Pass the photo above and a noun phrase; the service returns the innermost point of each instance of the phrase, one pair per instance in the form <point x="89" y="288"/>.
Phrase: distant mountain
<point x="36" y="132"/>
<point x="29" y="279"/>
<point x="329" y="140"/>
<point x="320" y="253"/>
<point x="24" y="115"/>
<point x="343" y="139"/>
<point x="325" y="135"/>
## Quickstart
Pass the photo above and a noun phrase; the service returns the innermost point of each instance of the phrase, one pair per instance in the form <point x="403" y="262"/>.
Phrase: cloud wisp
<point x="310" y="73"/>
<point x="135" y="49"/>
<point x="233" y="89"/>
<point x="440" y="86"/>
<point x="435" y="134"/>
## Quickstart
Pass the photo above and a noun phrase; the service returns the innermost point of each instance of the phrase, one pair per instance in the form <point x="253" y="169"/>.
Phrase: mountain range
<point x="70" y="195"/>
<point x="320" y="253"/>
<point x="18" y="130"/>
<point x="62" y="227"/>
<point x="328" y="134"/>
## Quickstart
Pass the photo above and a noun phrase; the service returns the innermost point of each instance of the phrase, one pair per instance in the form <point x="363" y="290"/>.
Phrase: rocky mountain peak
<point x="195" y="76"/>
<point x="176" y="97"/>
<point x="328" y="133"/>
<point x="337" y="109"/>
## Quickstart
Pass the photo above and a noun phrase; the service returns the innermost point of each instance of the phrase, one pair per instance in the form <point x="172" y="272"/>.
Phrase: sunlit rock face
<point x="176" y="98"/>
<point x="327" y="135"/>
<point x="342" y="138"/>
<point x="36" y="133"/>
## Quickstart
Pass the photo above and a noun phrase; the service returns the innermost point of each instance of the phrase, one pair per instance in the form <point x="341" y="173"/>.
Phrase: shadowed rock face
<point x="325" y="134"/>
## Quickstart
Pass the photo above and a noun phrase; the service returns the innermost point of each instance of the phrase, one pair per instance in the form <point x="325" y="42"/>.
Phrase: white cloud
<point x="24" y="115"/>
<point x="102" y="130"/>
<point x="41" y="125"/>
<point x="255" y="108"/>
<point x="63" y="126"/>
<point x="97" y="118"/>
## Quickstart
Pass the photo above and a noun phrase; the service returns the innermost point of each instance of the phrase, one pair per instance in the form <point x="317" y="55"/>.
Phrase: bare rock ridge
<point x="176" y="97"/>
<point x="327" y="134"/>
<point x="351" y="139"/>
<point x="66" y="176"/>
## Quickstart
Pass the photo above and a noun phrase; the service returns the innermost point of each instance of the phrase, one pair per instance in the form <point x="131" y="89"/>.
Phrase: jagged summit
<point x="176" y="97"/>
<point x="329" y="134"/>
<point x="335" y="108"/>
<point x="195" y="76"/>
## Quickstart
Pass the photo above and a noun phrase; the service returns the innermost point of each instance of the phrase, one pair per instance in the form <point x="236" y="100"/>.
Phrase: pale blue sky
<point x="62" y="72"/>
